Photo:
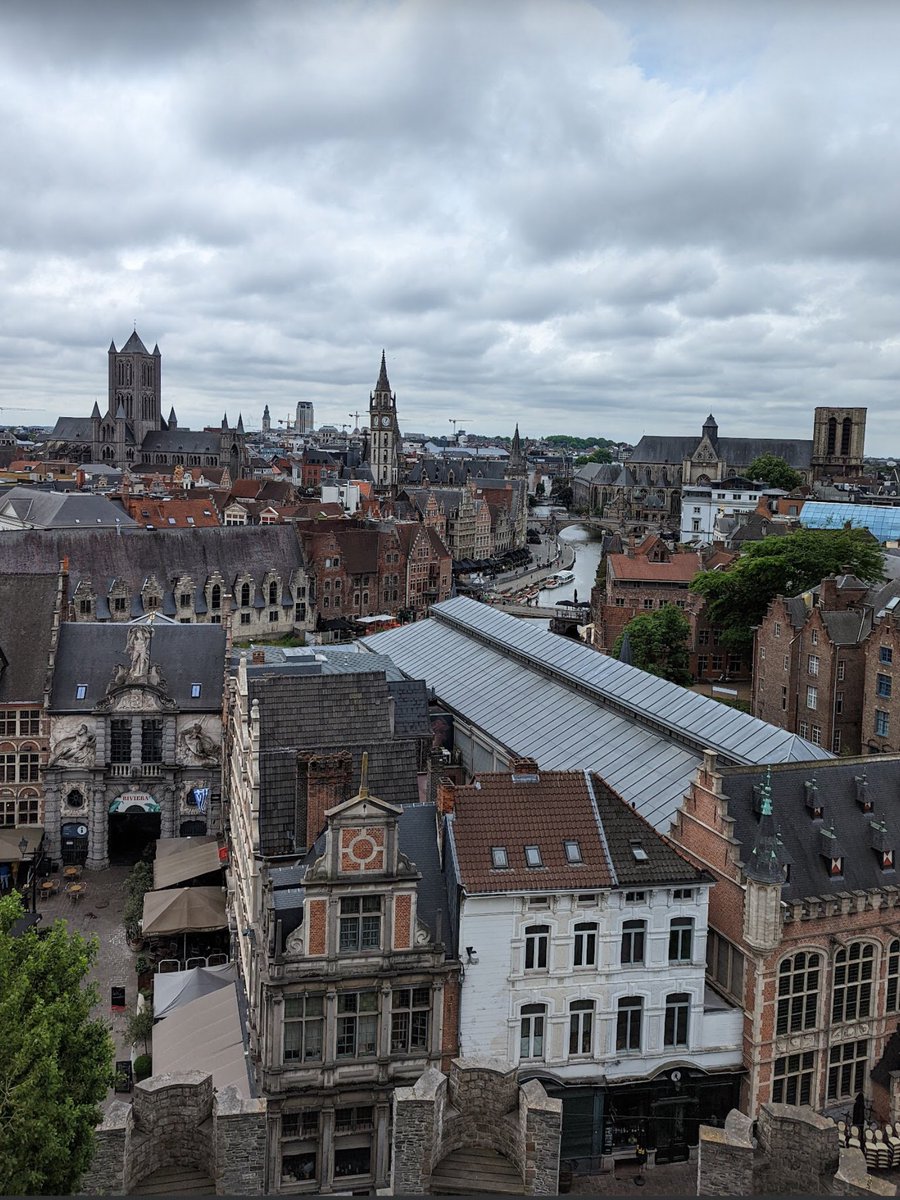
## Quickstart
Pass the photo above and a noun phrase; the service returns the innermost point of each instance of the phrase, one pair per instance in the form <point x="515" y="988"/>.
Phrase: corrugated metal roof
<point x="569" y="707"/>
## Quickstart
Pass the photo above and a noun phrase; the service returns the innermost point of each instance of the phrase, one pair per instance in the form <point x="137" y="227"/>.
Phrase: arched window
<point x="273" y="592"/>
<point x="846" y="428"/>
<point x="585" y="944"/>
<point x="533" y="1019"/>
<point x="245" y="595"/>
<point x="892" y="1001"/>
<point x="678" y="1015"/>
<point x="681" y="939"/>
<point x="854" y="968"/>
<point x="798" y="992"/>
<point x="581" y="1027"/>
<point x="832" y="435"/>
<point x="537" y="945"/>
<point x="215" y="596"/>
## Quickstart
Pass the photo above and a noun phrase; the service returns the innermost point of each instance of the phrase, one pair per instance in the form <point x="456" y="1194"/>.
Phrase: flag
<point x="201" y="796"/>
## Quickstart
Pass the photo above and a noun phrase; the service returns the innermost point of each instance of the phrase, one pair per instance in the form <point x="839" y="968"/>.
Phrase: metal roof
<point x="568" y="706"/>
<point x="882" y="523"/>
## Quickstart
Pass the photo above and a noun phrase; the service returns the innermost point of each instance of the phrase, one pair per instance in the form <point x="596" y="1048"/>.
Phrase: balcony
<point x="125" y="770"/>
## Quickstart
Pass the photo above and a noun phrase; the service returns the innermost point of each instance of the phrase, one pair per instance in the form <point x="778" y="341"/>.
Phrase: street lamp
<point x="23" y="848"/>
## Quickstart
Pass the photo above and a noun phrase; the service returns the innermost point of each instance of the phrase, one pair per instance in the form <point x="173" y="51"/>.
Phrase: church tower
<point x="266" y="421"/>
<point x="839" y="442"/>
<point x="134" y="387"/>
<point x="384" y="432"/>
<point x="517" y="466"/>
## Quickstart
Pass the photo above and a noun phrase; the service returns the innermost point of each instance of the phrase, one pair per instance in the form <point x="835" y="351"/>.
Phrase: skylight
<point x="196" y="688"/>
<point x="573" y="852"/>
<point x="533" y="856"/>
<point x="80" y="691"/>
<point x="499" y="858"/>
<point x="639" y="853"/>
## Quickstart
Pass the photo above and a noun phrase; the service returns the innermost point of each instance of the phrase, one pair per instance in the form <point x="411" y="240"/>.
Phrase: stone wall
<point x="479" y="1104"/>
<point x="180" y="1120"/>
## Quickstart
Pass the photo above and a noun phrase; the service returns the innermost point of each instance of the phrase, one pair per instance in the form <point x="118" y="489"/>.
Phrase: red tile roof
<point x="680" y="569"/>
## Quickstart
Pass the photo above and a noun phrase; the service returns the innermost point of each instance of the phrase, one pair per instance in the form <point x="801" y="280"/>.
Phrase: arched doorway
<point x="135" y="821"/>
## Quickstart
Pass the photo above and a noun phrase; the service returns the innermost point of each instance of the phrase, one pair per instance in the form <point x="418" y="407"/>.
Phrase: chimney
<point x="329" y="779"/>
<point x="524" y="767"/>
<point x="259" y="657"/>
<point x="446" y="796"/>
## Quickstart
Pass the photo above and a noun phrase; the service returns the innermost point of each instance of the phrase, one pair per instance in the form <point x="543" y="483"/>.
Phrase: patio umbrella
<point x="184" y="910"/>
<point x="172" y="990"/>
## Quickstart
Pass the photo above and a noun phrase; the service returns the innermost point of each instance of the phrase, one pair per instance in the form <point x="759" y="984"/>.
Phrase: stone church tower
<point x="135" y="386"/>
<point x="839" y="441"/>
<point x="384" y="433"/>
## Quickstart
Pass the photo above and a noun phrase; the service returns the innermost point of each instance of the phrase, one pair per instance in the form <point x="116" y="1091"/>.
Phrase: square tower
<point x="839" y="441"/>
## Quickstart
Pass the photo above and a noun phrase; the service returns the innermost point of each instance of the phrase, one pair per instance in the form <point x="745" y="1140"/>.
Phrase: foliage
<point x="737" y="599"/>
<point x="143" y="1067"/>
<point x="659" y="643"/>
<point x="599" y="456"/>
<point x="139" y="1026"/>
<point x="56" y="1060"/>
<point x="562" y="495"/>
<point x="770" y="469"/>
<point x="139" y="881"/>
<point x="566" y="441"/>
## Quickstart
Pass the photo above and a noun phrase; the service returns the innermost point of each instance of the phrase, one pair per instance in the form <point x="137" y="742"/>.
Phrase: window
<point x="22" y="810"/>
<point x="814" y="637"/>
<point x="273" y="592"/>
<point x="298" y="1168"/>
<point x="531" y="1031"/>
<point x="648" y="603"/>
<point x="245" y="595"/>
<point x="717" y="662"/>
<point x="678" y="1013"/>
<point x="778" y="629"/>
<point x="537" y="941"/>
<point x="633" y="937"/>
<point x="786" y="663"/>
<point x="84" y="607"/>
<point x="22" y="722"/>
<point x="882" y="723"/>
<point x="794" y="1075"/>
<point x="836" y="742"/>
<point x="360" y="924"/>
<point x="703" y="637"/>
<point x="184" y="600"/>
<point x="725" y="964"/>
<point x="812" y="697"/>
<point x="119" y="604"/>
<point x="762" y="654"/>
<point x="638" y="853"/>
<point x="798" y="993"/>
<point x="629" y="1018"/>
<point x="854" y="967"/>
<point x="151" y="740"/>
<point x="80" y="691"/>
<point x="354" y="1120"/>
<point x="838" y="702"/>
<point x="581" y="1026"/>
<point x="885" y="654"/>
<point x="702" y="662"/>
<point x="635" y="897"/>
<point x="151" y="601"/>
<point x="892" y="1001"/>
<point x="357" y="1025"/>
<point x="410" y="1008"/>
<point x="682" y="894"/>
<point x="882" y="685"/>
<point x="812" y="664"/>
<point x="533" y="856"/>
<point x="573" y="852"/>
<point x="215" y="596"/>
<point x="120" y="741"/>
<point x="585" y="944"/>
<point x="842" y="666"/>
<point x="196" y="689"/>
<point x="803" y="729"/>
<point x="847" y="1070"/>
<point x="274" y="616"/>
<point x="245" y="618"/>
<point x="784" y="697"/>
<point x="681" y="939"/>
<point x="499" y="858"/>
<point x="816" y="735"/>
<point x="304" y="1020"/>
<point x="734" y="663"/>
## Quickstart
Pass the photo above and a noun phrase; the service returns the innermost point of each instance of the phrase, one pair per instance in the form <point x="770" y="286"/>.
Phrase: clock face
<point x="385" y="421"/>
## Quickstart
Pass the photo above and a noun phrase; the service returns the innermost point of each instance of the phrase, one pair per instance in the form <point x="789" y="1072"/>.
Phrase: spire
<point x="120" y="412"/>
<point x="625" y="649"/>
<point x="240" y="424"/>
<point x="112" y="348"/>
<point x="711" y="429"/>
<point x="95" y="412"/>
<point x="156" y="353"/>
<point x="173" y="420"/>
<point x="764" y="865"/>
<point x="364" y="776"/>
<point x="225" y="421"/>
<point x="383" y="385"/>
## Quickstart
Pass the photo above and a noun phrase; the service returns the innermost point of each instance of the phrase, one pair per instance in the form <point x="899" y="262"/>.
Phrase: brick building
<point x="804" y="922"/>
<point x="339" y="915"/>
<point x="823" y="665"/>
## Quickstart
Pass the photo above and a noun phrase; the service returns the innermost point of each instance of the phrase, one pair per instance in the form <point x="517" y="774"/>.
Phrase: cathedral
<point x="134" y="434"/>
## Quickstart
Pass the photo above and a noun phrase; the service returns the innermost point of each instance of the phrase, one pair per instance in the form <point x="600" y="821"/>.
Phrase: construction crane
<point x="6" y="408"/>
<point x="355" y="417"/>
<point x="454" y="422"/>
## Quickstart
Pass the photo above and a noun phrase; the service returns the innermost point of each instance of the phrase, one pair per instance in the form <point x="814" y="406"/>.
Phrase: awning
<point x="174" y="989"/>
<point x="11" y="852"/>
<point x="178" y="859"/>
<point x="204" y="1035"/>
<point x="184" y="910"/>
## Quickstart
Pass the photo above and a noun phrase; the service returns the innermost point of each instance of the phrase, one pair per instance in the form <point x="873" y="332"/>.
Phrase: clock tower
<point x="384" y="433"/>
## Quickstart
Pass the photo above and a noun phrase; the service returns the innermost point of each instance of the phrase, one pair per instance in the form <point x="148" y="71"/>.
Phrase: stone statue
<point x="138" y="647"/>
<point x="155" y="675"/>
<point x="121" y="674"/>
<point x="197" y="743"/>
<point x="77" y="750"/>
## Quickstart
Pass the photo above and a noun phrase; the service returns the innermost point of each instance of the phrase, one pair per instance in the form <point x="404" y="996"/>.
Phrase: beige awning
<point x="184" y="910"/>
<point x="10" y="851"/>
<point x="178" y="859"/>
<point x="204" y="1035"/>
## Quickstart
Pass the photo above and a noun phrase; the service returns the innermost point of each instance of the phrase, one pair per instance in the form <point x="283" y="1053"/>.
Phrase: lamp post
<point x="23" y="849"/>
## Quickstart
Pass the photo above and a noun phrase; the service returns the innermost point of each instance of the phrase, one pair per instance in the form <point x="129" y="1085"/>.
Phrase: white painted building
<point x="583" y="938"/>
<point x="702" y="504"/>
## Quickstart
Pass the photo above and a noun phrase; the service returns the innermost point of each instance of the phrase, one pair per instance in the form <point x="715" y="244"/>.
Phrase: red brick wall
<point x="450" y="1026"/>
<point x="317" y="917"/>
<point x="402" y="921"/>
<point x="884" y="634"/>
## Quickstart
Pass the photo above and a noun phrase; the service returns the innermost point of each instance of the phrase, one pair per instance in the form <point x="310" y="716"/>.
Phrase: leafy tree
<point x="599" y="456"/>
<point x="737" y="599"/>
<point x="139" y="1025"/>
<point x="139" y="881"/>
<point x="55" y="1058"/>
<point x="659" y="643"/>
<point x="774" y="471"/>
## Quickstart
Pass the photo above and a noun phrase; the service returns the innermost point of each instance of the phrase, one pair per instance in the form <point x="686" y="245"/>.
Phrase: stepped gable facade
<point x="133" y="432"/>
<point x="184" y="575"/>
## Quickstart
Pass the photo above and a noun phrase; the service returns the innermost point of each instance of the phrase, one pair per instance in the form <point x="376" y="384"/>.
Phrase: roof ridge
<point x="603" y="842"/>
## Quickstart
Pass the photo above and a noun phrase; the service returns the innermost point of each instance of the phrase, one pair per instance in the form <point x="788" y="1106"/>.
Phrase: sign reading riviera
<point x="132" y="802"/>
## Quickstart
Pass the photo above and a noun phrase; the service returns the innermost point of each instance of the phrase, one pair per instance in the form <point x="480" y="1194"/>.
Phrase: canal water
<point x="587" y="557"/>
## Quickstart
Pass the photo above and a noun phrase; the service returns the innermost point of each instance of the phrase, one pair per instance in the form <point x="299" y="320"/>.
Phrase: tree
<point x="599" y="456"/>
<point x="55" y="1058"/>
<point x="774" y="471"/>
<point x="659" y="643"/>
<point x="737" y="599"/>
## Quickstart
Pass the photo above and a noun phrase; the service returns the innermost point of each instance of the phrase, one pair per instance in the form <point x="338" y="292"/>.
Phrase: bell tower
<point x="384" y="432"/>
<point x="839" y="442"/>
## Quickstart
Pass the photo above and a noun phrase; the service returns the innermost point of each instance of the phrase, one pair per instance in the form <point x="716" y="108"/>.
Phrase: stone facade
<point x="182" y="1121"/>
<point x="479" y="1104"/>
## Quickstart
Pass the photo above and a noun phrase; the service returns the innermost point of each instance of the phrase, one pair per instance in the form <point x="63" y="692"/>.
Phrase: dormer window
<point x="887" y="860"/>
<point x="836" y="867"/>
<point x="573" y="852"/>
<point x="80" y="691"/>
<point x="863" y="799"/>
<point x="196" y="689"/>
<point x="811" y="798"/>
<point x="499" y="858"/>
<point x="639" y="854"/>
<point x="533" y="856"/>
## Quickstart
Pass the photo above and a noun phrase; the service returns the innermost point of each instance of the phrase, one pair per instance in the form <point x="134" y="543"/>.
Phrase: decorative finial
<point x="766" y="806"/>
<point x="364" y="776"/>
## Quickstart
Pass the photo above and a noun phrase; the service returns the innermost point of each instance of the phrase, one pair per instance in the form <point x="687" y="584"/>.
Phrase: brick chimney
<point x="259" y="657"/>
<point x="329" y="780"/>
<point x="446" y="796"/>
<point x="524" y="766"/>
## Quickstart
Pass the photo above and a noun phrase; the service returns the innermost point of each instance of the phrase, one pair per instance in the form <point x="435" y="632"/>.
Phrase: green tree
<point x="55" y="1058"/>
<point x="770" y="469"/>
<point x="737" y="599"/>
<point x="659" y="643"/>
<point x="599" y="456"/>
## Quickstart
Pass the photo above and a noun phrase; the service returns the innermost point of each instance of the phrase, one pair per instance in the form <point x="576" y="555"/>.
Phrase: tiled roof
<point x="624" y="827"/>
<point x="26" y="622"/>
<point x="681" y="568"/>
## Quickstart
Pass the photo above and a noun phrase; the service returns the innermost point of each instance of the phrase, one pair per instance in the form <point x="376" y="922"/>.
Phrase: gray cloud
<point x="597" y="217"/>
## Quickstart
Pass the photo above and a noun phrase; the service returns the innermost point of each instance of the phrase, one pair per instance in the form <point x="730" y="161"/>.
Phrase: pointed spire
<point x="383" y="385"/>
<point x="112" y="348"/>
<point x="225" y="421"/>
<point x="120" y="412"/>
<point x="156" y="353"/>
<point x="625" y="650"/>
<point x="95" y="412"/>
<point x="240" y="424"/>
<point x="173" y="420"/>
<point x="764" y="865"/>
<point x="364" y="776"/>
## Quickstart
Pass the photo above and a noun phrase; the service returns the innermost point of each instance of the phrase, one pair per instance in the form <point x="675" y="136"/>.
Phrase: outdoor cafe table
<point x="75" y="891"/>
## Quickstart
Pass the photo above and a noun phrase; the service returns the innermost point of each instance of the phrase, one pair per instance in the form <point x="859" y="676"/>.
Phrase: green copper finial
<point x="766" y="807"/>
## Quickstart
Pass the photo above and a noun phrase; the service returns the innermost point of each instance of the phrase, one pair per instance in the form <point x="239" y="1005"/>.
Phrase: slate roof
<point x="737" y="452"/>
<point x="135" y="554"/>
<point x="26" y="620"/>
<point x="800" y="835"/>
<point x="89" y="652"/>
<point x="61" y="510"/>
<point x="191" y="441"/>
<point x="547" y="809"/>
<point x="645" y="736"/>
<point x="72" y="429"/>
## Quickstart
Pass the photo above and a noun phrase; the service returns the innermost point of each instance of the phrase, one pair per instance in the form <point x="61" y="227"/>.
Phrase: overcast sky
<point x="595" y="218"/>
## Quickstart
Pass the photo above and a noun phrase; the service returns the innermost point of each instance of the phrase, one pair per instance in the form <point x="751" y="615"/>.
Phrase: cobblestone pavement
<point x="99" y="914"/>
<point x="672" y="1179"/>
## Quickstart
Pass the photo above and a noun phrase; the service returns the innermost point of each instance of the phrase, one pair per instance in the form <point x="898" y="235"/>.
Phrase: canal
<point x="587" y="557"/>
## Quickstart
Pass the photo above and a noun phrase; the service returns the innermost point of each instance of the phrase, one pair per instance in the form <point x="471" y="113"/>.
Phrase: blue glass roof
<point x="882" y="523"/>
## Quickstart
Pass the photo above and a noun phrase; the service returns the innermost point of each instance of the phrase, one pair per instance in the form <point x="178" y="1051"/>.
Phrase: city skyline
<point x="594" y="218"/>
